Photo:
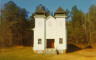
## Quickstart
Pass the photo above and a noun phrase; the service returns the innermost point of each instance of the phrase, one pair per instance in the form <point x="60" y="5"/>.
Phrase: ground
<point x="26" y="53"/>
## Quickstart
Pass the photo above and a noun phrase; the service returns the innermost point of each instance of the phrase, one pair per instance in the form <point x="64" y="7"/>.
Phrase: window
<point x="39" y="41"/>
<point x="60" y="40"/>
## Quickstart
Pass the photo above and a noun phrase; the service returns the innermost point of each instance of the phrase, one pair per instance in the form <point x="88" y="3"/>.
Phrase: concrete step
<point x="50" y="51"/>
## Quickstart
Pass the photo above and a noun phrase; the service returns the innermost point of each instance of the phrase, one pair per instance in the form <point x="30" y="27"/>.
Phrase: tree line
<point x="16" y="27"/>
<point x="81" y="29"/>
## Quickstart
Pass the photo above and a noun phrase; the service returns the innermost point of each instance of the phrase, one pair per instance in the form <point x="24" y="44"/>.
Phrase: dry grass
<point x="26" y="53"/>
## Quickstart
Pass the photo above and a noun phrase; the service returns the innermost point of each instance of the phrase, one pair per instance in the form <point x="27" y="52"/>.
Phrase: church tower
<point x="39" y="30"/>
<point x="61" y="41"/>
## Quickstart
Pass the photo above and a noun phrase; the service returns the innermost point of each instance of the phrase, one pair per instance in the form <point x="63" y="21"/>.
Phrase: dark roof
<point x="40" y="10"/>
<point x="59" y="10"/>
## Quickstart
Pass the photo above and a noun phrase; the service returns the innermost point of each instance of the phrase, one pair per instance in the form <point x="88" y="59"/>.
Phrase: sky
<point x="52" y="5"/>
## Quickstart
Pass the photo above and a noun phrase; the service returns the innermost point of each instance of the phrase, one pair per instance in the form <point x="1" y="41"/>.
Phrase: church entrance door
<point x="50" y="43"/>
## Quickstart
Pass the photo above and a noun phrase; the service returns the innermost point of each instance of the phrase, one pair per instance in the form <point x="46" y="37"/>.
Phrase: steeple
<point x="60" y="11"/>
<point x="40" y="10"/>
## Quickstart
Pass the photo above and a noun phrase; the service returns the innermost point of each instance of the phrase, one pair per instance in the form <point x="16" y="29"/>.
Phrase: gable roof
<point x="49" y="17"/>
<point x="40" y="10"/>
<point x="59" y="10"/>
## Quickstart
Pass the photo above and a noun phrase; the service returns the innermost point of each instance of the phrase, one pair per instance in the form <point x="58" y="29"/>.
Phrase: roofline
<point x="49" y="17"/>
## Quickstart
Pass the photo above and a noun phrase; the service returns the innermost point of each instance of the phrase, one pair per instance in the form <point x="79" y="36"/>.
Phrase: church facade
<point x="50" y="32"/>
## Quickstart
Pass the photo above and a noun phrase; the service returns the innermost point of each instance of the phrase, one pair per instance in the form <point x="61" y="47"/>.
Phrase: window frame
<point x="60" y="40"/>
<point x="39" y="41"/>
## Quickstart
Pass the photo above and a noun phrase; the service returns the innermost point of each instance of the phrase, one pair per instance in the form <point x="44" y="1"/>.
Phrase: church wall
<point x="39" y="33"/>
<point x="60" y="33"/>
<point x="51" y="28"/>
<point x="55" y="29"/>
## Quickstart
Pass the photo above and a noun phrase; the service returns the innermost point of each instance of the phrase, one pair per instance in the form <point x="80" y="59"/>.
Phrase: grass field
<point x="26" y="53"/>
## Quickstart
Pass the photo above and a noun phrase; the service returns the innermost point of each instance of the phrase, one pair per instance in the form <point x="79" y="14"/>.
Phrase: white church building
<point x="50" y="32"/>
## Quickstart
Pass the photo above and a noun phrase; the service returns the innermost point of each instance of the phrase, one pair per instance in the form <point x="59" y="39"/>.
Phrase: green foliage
<point x="14" y="24"/>
<point x="92" y="23"/>
<point x="32" y="20"/>
<point x="67" y="14"/>
<point x="81" y="28"/>
<point x="75" y="26"/>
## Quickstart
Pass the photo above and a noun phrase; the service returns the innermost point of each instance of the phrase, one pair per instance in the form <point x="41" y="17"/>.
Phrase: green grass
<point x="26" y="53"/>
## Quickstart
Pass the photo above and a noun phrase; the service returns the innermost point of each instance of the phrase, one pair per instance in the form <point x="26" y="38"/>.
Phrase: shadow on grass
<point x="72" y="48"/>
<point x="88" y="47"/>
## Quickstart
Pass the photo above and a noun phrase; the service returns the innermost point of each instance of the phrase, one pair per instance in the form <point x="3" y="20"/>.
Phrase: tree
<point x="76" y="30"/>
<point x="92" y="23"/>
<point x="14" y="24"/>
<point x="68" y="14"/>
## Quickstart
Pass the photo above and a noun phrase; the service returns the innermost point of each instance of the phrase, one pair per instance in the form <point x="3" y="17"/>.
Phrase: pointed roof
<point x="59" y="10"/>
<point x="40" y="10"/>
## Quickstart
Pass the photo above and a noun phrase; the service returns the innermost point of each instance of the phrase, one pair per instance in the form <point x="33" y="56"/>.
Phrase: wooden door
<point x="50" y="43"/>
